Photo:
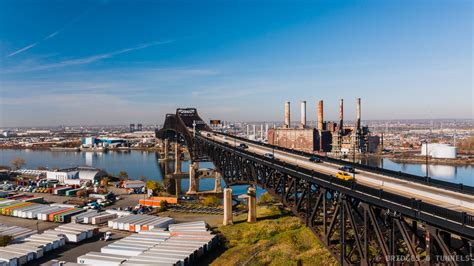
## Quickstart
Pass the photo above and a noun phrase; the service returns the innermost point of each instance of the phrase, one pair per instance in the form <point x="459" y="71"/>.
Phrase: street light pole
<point x="426" y="151"/>
<point x="353" y="161"/>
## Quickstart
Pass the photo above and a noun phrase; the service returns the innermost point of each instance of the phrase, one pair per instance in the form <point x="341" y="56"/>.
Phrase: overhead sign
<point x="215" y="122"/>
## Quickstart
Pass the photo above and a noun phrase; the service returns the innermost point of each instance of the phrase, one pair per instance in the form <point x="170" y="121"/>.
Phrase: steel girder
<point x="355" y="231"/>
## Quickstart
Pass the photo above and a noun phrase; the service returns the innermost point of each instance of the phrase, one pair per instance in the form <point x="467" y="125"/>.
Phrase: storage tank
<point x="439" y="150"/>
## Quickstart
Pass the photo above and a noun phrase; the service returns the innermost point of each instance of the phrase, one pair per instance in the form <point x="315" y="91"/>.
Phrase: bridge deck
<point x="441" y="197"/>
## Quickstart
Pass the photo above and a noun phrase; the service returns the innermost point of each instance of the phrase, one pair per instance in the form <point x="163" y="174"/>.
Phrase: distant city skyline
<point x="118" y="62"/>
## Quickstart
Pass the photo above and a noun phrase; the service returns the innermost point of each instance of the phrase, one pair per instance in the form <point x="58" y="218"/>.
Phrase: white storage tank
<point x="439" y="150"/>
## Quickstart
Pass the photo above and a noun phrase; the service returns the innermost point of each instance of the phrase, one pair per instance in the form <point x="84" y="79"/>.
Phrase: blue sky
<point x="117" y="62"/>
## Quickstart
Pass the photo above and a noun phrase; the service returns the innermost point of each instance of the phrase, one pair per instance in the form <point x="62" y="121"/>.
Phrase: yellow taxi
<point x="344" y="176"/>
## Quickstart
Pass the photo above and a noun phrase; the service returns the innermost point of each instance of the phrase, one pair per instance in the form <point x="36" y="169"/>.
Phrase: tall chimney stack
<point x="341" y="114"/>
<point x="287" y="114"/>
<point x="358" y="114"/>
<point x="320" y="115"/>
<point x="303" y="114"/>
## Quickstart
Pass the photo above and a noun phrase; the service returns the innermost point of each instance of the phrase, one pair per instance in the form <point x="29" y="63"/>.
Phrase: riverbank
<point x="416" y="159"/>
<point x="277" y="238"/>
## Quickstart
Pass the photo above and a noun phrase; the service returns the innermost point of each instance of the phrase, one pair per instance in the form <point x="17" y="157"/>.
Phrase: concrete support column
<point x="217" y="184"/>
<point x="252" y="205"/>
<point x="177" y="159"/>
<point x="228" y="218"/>
<point x="193" y="181"/>
<point x="166" y="149"/>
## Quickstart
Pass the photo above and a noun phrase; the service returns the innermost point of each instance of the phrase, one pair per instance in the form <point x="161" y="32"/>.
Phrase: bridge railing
<point x="378" y="196"/>
<point x="457" y="187"/>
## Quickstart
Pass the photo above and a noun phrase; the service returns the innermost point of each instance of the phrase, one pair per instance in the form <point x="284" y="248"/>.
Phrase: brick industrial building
<point x="330" y="137"/>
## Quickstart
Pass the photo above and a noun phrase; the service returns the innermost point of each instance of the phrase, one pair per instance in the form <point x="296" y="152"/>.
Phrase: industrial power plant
<point x="328" y="137"/>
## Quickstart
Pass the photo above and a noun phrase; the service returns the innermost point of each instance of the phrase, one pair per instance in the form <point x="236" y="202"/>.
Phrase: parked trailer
<point x="105" y="255"/>
<point x="119" y="213"/>
<point x="71" y="235"/>
<point x="90" y="260"/>
<point x="30" y="254"/>
<point x="79" y="218"/>
<point x="17" y="233"/>
<point x="21" y="258"/>
<point x="23" y="213"/>
<point x="44" y="214"/>
<point x="136" y="262"/>
<point x="34" y="214"/>
<point x="66" y="217"/>
<point x="9" y="258"/>
<point x="7" y="209"/>
<point x="17" y="212"/>
<point x="127" y="251"/>
<point x="152" y="261"/>
<point x="163" y="223"/>
<point x="55" y="238"/>
<point x="51" y="215"/>
<point x="44" y="244"/>
<point x="103" y="218"/>
<point x="184" y="257"/>
<point x="89" y="230"/>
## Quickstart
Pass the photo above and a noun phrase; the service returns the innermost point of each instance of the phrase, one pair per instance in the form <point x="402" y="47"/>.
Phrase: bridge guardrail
<point x="457" y="187"/>
<point x="411" y="203"/>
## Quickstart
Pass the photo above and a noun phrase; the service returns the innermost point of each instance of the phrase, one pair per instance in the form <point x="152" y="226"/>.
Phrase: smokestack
<point x="303" y="114"/>
<point x="320" y="115"/>
<point x="287" y="114"/>
<point x="266" y="131"/>
<point x="358" y="113"/>
<point x="341" y="114"/>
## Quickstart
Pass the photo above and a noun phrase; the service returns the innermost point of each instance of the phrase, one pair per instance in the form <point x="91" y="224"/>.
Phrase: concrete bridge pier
<point x="228" y="217"/>
<point x="193" y="180"/>
<point x="217" y="183"/>
<point x="166" y="149"/>
<point x="252" y="204"/>
<point x="177" y="159"/>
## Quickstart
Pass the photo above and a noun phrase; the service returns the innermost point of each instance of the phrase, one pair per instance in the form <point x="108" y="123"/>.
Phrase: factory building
<point x="76" y="175"/>
<point x="330" y="137"/>
<point x="101" y="142"/>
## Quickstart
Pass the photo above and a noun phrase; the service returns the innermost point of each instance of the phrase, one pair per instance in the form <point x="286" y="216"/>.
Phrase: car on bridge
<point x="314" y="159"/>
<point x="344" y="176"/>
<point x="269" y="156"/>
<point x="243" y="146"/>
<point x="347" y="168"/>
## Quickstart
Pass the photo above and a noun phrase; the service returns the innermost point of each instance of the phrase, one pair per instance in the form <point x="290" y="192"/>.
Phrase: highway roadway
<point x="440" y="197"/>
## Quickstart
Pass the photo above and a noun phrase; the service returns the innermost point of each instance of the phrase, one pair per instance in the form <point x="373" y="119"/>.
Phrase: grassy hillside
<point x="277" y="238"/>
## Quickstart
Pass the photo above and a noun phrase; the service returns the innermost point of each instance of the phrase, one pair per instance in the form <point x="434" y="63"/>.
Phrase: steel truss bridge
<point x="358" y="223"/>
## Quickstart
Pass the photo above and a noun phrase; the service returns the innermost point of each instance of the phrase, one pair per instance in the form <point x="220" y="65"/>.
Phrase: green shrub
<point x="265" y="199"/>
<point x="211" y="201"/>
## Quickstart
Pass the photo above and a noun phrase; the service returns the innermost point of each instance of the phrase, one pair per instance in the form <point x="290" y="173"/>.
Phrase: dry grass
<point x="277" y="238"/>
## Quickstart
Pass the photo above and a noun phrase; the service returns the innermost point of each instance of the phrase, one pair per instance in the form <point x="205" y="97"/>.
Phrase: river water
<point x="142" y="163"/>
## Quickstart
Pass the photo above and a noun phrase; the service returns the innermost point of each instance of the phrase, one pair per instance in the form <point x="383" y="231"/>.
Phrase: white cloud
<point x="80" y="61"/>
<point x="22" y="49"/>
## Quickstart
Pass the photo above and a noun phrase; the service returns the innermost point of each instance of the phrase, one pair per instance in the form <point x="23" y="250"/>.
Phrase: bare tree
<point x="17" y="163"/>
